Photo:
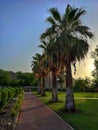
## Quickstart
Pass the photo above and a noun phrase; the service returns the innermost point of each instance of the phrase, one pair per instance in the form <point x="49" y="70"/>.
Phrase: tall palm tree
<point x="71" y="42"/>
<point x="51" y="57"/>
<point x="39" y="72"/>
<point x="44" y="71"/>
<point x="36" y="69"/>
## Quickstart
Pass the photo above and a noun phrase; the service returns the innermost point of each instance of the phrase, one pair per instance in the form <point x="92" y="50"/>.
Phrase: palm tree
<point x="51" y="58"/>
<point x="36" y="69"/>
<point x="71" y="42"/>
<point x="39" y="72"/>
<point x="44" y="71"/>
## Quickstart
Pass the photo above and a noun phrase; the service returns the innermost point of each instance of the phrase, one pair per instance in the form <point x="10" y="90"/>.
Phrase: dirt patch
<point x="6" y="120"/>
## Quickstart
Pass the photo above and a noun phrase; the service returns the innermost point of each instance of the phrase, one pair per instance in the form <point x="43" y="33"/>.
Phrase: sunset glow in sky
<point x="23" y="21"/>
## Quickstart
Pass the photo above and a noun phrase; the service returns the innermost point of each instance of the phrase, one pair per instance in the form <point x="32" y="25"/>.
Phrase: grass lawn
<point x="86" y="119"/>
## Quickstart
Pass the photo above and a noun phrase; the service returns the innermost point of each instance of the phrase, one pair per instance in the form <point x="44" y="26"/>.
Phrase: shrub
<point x="83" y="85"/>
<point x="4" y="99"/>
<point x="17" y="105"/>
<point x="7" y="94"/>
<point x="10" y="94"/>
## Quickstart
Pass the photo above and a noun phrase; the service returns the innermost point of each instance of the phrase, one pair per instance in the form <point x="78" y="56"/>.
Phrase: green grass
<point x="86" y="119"/>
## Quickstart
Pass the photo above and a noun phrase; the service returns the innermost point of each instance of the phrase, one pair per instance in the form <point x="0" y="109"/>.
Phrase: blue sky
<point x="23" y="21"/>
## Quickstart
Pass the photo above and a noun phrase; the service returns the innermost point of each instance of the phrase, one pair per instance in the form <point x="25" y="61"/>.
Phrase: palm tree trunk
<point x="54" y="88"/>
<point x="69" y="104"/>
<point x="43" y="87"/>
<point x="49" y="84"/>
<point x="39" y="89"/>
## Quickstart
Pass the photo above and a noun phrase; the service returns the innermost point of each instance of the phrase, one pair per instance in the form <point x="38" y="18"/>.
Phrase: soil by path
<point x="36" y="116"/>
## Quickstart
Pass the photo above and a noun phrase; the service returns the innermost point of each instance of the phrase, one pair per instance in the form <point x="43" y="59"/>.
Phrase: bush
<point x="83" y="85"/>
<point x="17" y="105"/>
<point x="95" y="84"/>
<point x="17" y="90"/>
<point x="4" y="99"/>
<point x="13" y="91"/>
<point x="10" y="94"/>
<point x="7" y="94"/>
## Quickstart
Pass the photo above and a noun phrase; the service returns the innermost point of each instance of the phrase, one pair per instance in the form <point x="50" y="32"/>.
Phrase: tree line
<point x="9" y="78"/>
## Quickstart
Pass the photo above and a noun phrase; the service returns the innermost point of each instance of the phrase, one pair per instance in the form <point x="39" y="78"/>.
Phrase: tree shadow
<point x="63" y="111"/>
<point x="32" y="108"/>
<point x="51" y="102"/>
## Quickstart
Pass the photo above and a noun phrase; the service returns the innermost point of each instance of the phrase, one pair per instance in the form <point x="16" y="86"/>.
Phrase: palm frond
<point x="51" y="20"/>
<point x="43" y="45"/>
<point x="79" y="49"/>
<point x="79" y="13"/>
<point x="84" y="30"/>
<point x="48" y="32"/>
<point x="71" y="15"/>
<point x="55" y="14"/>
<point x="67" y="11"/>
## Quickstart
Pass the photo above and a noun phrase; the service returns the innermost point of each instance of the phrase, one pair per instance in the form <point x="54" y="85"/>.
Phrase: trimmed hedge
<point x="4" y="99"/>
<point x="7" y="94"/>
<point x="17" y="105"/>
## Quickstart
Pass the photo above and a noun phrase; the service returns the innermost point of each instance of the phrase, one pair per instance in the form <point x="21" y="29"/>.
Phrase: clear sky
<point x="23" y="21"/>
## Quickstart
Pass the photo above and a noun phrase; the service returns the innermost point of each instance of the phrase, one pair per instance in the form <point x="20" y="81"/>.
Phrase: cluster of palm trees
<point x="64" y="43"/>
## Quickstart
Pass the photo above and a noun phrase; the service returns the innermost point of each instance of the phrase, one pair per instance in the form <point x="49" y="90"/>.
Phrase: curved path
<point x="37" y="116"/>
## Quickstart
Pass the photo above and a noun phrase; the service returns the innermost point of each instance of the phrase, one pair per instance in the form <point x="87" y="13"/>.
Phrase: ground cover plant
<point x="86" y="117"/>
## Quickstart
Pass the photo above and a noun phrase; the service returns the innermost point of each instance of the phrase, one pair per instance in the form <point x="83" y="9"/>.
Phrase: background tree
<point x="95" y="71"/>
<point x="9" y="78"/>
<point x="5" y="78"/>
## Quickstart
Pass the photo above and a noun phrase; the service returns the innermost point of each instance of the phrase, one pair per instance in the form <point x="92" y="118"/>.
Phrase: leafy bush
<point x="17" y="105"/>
<point x="18" y="90"/>
<point x="7" y="94"/>
<point x="4" y="99"/>
<point x="83" y="85"/>
<point x="95" y="84"/>
<point x="10" y="94"/>
<point x="13" y="91"/>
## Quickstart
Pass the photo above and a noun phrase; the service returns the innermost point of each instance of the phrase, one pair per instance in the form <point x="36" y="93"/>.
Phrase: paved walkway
<point x="36" y="116"/>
